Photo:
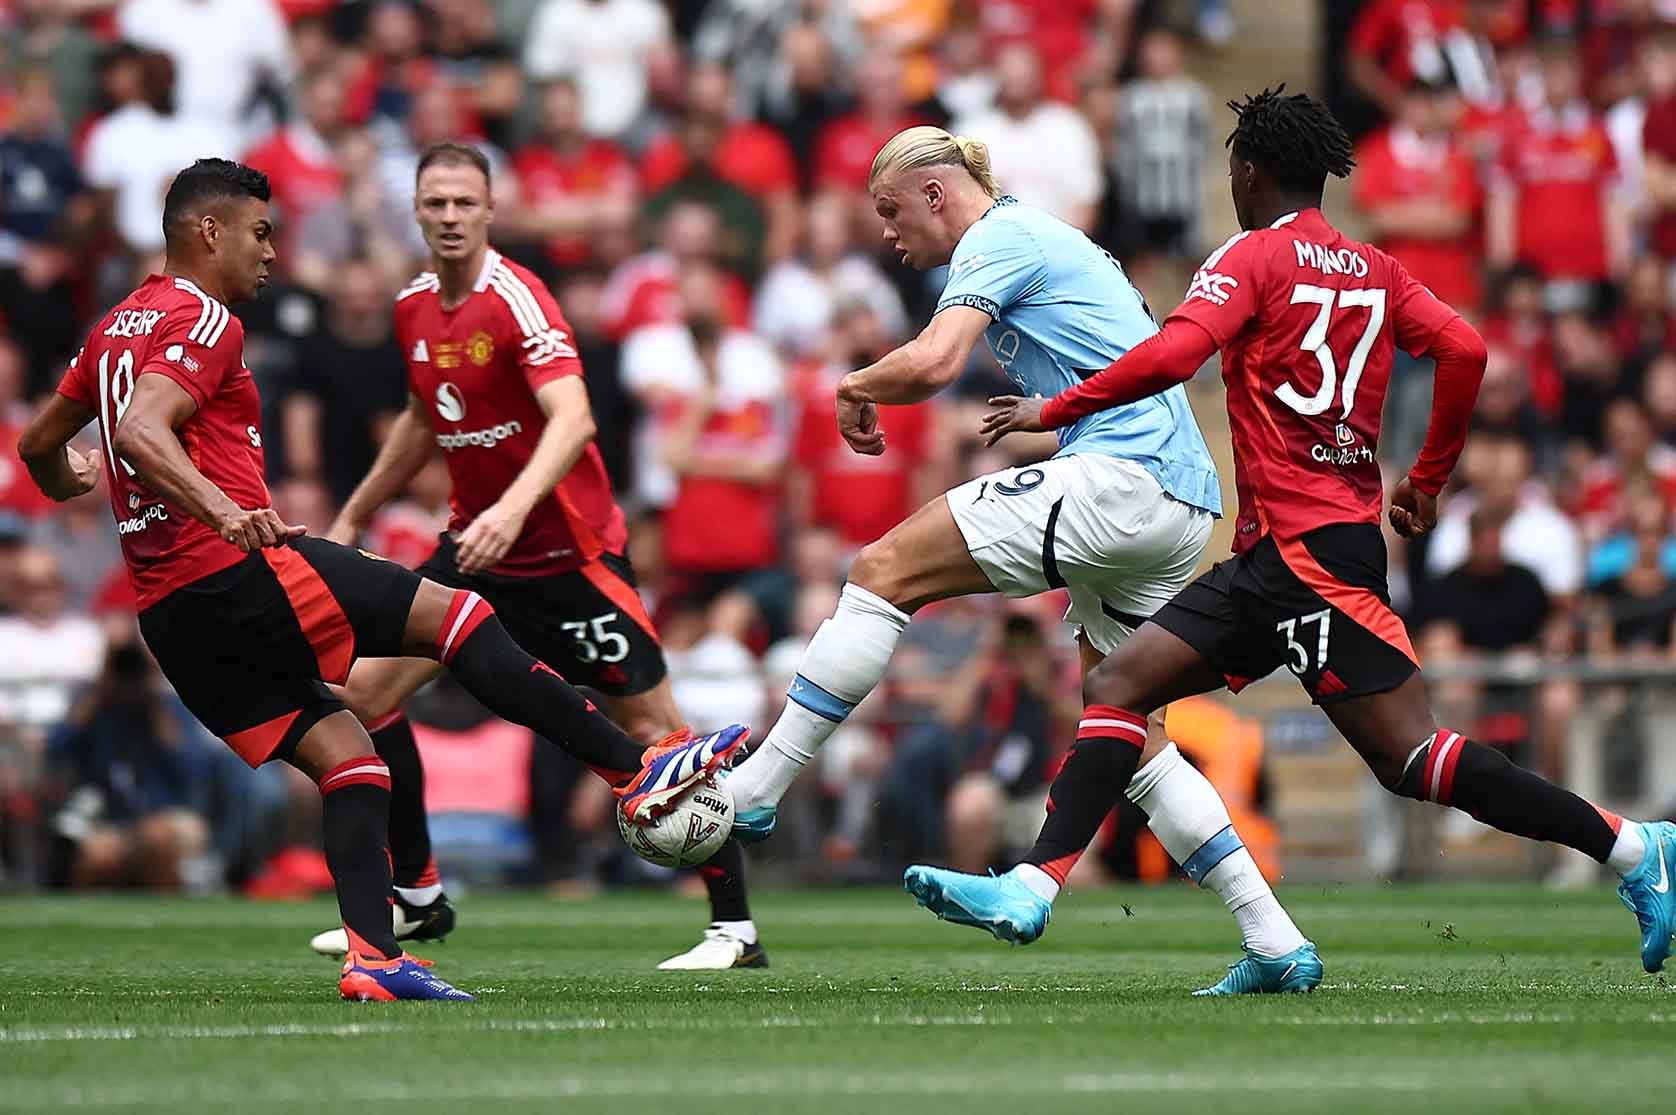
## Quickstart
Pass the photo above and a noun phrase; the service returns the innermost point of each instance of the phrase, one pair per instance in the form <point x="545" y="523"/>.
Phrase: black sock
<point x="724" y="879"/>
<point x="1452" y="770"/>
<point x="1096" y="771"/>
<point x="410" y="831"/>
<point x="517" y="687"/>
<point x="355" y="813"/>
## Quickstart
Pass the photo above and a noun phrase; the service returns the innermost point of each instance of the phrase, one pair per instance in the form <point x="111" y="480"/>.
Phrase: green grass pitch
<point x="1437" y="998"/>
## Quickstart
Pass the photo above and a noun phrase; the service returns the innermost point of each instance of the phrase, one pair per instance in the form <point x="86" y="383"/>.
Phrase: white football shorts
<point x="1100" y="527"/>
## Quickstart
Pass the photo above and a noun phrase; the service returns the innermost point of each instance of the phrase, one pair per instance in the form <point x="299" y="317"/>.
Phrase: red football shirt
<point x="598" y="168"/>
<point x="477" y="367"/>
<point x="753" y="157"/>
<point x="169" y="327"/>
<point x="1658" y="137"/>
<point x="860" y="497"/>
<point x="1401" y="34"/>
<point x="846" y="147"/>
<point x="1560" y="164"/>
<point x="1397" y="166"/>
<point x="1307" y="320"/>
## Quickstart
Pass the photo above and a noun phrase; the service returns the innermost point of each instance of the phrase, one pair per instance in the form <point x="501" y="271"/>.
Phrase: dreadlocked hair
<point x="1296" y="139"/>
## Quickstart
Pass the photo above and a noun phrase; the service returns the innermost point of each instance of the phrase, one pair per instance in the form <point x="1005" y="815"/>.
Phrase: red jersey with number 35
<point x="1308" y="321"/>
<point x="169" y="327"/>
<point x="477" y="368"/>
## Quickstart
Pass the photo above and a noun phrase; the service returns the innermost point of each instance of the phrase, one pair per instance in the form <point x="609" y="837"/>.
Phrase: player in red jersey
<point x="1306" y="320"/>
<point x="251" y="621"/>
<point x="494" y="380"/>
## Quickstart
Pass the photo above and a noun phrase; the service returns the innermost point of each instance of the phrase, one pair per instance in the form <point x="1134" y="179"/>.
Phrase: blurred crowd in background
<point x="690" y="178"/>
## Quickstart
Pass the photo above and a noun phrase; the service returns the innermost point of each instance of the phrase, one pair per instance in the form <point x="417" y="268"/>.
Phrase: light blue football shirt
<point x="1061" y="309"/>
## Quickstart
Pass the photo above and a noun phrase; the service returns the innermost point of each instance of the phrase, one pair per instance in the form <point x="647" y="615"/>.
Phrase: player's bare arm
<point x="146" y="438"/>
<point x="570" y="427"/>
<point x="1169" y="357"/>
<point x="57" y="469"/>
<point x="406" y="448"/>
<point x="911" y="373"/>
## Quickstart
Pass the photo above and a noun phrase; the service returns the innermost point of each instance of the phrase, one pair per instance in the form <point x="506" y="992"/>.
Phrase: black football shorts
<point x="1318" y="605"/>
<point x="250" y="649"/>
<point x="589" y="624"/>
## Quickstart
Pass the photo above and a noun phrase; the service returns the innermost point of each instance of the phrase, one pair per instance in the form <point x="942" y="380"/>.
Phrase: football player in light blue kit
<point x="1119" y="517"/>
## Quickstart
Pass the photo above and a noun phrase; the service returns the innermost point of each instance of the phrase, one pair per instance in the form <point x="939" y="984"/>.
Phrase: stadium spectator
<point x="18" y="493"/>
<point x="1494" y="605"/>
<point x="715" y="447"/>
<point x="45" y="648"/>
<point x="226" y="54"/>
<point x="809" y="92"/>
<point x="1558" y="159"/>
<point x="570" y="184"/>
<point x="300" y="158"/>
<point x="470" y="55"/>
<point x="133" y="152"/>
<point x="844" y="150"/>
<point x="1418" y="188"/>
<point x="48" y="220"/>
<point x="833" y="487"/>
<point x="139" y="772"/>
<point x="1042" y="151"/>
<point x="349" y="382"/>
<point x="1637" y="610"/>
<point x="606" y="47"/>
<point x="1644" y="325"/>
<point x="391" y="64"/>
<point x="363" y="219"/>
<point x="712" y="150"/>
<point x="1632" y="456"/>
<point x="1393" y="42"/>
<point x="798" y="297"/>
<point x="1007" y="711"/>
<point x="45" y="34"/>
<point x="762" y="44"/>
<point x="1534" y="533"/>
<point x="1163" y="128"/>
<point x="1658" y="142"/>
<point x="641" y="290"/>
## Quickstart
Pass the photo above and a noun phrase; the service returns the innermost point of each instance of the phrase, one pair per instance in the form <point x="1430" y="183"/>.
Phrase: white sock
<point x="843" y="663"/>
<point x="1039" y="881"/>
<point x="419" y="896"/>
<point x="1628" y="849"/>
<point x="745" y="930"/>
<point x="1188" y="817"/>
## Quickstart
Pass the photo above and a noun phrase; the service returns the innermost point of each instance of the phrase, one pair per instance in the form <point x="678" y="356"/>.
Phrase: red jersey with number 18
<point x="1308" y="321"/>
<point x="477" y="367"/>
<point x="171" y="328"/>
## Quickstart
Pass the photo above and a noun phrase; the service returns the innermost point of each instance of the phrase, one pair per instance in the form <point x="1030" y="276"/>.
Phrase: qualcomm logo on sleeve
<point x="450" y="404"/>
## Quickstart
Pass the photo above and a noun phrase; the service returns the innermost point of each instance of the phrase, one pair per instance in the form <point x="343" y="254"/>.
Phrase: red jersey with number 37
<point x="171" y="328"/>
<point x="1308" y="321"/>
<point x="476" y="368"/>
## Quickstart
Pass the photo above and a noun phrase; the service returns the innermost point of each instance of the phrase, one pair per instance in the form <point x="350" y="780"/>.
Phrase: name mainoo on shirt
<point x="1343" y="261"/>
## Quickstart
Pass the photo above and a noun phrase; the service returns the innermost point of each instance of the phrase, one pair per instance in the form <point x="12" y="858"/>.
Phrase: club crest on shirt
<point x="481" y="348"/>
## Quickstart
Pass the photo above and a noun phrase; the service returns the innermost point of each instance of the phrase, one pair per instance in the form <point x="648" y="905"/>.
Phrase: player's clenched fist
<point x="1413" y="512"/>
<point x="252" y="530"/>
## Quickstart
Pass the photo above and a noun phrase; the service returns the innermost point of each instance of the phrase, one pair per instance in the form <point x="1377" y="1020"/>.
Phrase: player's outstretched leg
<point x="459" y="629"/>
<point x="355" y="811"/>
<point x="419" y="908"/>
<point x="1395" y="734"/>
<point x="922" y="559"/>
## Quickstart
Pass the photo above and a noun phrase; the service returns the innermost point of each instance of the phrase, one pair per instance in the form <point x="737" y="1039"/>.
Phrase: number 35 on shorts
<point x="595" y="641"/>
<point x="1307" y="638"/>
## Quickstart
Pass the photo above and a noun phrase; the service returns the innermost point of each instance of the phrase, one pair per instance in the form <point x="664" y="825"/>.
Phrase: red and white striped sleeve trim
<point x="212" y="316"/>
<point x="427" y="280"/>
<point x="543" y="342"/>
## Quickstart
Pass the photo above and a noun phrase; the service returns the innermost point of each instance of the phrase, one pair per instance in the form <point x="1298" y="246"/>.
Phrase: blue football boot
<point x="753" y="826"/>
<point x="1001" y="904"/>
<point x="1648" y="894"/>
<point x="1298" y="970"/>
<point x="385" y="981"/>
